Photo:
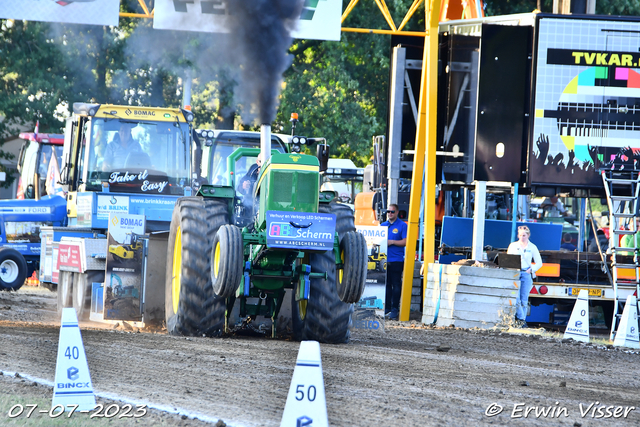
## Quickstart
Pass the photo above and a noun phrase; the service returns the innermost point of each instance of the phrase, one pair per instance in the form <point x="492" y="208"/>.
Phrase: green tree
<point x="340" y="89"/>
<point x="92" y="54"/>
<point x="336" y="95"/>
<point x="618" y="7"/>
<point x="33" y="80"/>
<point x="508" y="7"/>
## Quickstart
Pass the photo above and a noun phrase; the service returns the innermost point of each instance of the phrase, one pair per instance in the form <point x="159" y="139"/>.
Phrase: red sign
<point x="69" y="256"/>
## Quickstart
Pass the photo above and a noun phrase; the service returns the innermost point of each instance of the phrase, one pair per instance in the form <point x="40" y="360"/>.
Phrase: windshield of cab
<point x="28" y="169"/>
<point x="346" y="188"/>
<point x="137" y="156"/>
<point x="247" y="172"/>
<point x="214" y="158"/>
<point x="46" y="167"/>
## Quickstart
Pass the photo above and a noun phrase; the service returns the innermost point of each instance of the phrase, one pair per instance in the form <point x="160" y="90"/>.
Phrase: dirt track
<point x="399" y="378"/>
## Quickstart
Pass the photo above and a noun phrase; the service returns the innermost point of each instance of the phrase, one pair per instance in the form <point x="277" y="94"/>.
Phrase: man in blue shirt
<point x="396" y="242"/>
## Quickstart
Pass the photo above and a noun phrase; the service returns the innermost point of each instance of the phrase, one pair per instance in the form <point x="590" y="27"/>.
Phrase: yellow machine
<point x="377" y="261"/>
<point x="125" y="251"/>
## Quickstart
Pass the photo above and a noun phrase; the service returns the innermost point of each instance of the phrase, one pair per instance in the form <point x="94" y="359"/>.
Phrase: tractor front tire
<point x="191" y="307"/>
<point x="226" y="261"/>
<point x="352" y="277"/>
<point x="82" y="292"/>
<point x="324" y="317"/>
<point x="13" y="269"/>
<point x="65" y="291"/>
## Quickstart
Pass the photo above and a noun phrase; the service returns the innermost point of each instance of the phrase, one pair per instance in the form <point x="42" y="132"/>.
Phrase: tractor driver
<point x="245" y="186"/>
<point x="247" y="182"/>
<point x="119" y="149"/>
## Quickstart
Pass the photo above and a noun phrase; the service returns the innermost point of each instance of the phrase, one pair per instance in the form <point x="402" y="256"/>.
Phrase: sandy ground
<point x="410" y="375"/>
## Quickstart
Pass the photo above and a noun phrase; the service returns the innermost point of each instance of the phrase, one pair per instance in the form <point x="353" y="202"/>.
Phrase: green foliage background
<point x="339" y="89"/>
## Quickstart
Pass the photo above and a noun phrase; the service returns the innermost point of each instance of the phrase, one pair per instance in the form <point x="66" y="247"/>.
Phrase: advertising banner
<point x="300" y="230"/>
<point x="96" y="12"/>
<point x="23" y="232"/>
<point x="320" y="19"/>
<point x="123" y="281"/>
<point x="84" y="205"/>
<point x="369" y="311"/>
<point x="108" y="204"/>
<point x="71" y="256"/>
<point x="587" y="89"/>
<point x="23" y="236"/>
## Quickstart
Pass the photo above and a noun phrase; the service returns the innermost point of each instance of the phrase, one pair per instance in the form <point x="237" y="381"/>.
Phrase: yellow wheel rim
<point x="177" y="271"/>
<point x="216" y="260"/>
<point x="341" y="271"/>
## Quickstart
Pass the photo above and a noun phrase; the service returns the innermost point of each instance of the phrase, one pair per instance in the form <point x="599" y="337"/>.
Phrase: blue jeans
<point x="522" y="300"/>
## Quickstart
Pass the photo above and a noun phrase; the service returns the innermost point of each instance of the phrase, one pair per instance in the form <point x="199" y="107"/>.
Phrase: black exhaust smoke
<point x="261" y="29"/>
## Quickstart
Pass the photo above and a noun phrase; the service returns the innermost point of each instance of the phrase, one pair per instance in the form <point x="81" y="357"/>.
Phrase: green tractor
<point x="227" y="247"/>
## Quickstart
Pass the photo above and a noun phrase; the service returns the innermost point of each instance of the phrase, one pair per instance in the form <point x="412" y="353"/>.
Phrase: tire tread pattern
<point x="327" y="318"/>
<point x="200" y="311"/>
<point x="230" y="272"/>
<point x="354" y="247"/>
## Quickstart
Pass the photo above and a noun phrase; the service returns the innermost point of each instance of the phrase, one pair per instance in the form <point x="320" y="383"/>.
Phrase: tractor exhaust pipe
<point x="265" y="142"/>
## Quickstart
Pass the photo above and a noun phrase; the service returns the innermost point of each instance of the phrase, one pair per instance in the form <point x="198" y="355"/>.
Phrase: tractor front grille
<point x="282" y="184"/>
<point x="309" y="182"/>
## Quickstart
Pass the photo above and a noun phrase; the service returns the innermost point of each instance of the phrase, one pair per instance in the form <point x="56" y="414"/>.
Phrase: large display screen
<point x="586" y="102"/>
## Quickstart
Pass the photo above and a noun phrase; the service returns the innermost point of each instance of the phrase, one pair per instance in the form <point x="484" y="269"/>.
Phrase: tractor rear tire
<point x="82" y="292"/>
<point x="344" y="217"/>
<point x="65" y="291"/>
<point x="323" y="317"/>
<point x="227" y="261"/>
<point x="191" y="307"/>
<point x="13" y="269"/>
<point x="352" y="277"/>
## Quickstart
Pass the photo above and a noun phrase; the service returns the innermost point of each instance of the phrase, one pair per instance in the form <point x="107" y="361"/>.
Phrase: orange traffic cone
<point x="33" y="280"/>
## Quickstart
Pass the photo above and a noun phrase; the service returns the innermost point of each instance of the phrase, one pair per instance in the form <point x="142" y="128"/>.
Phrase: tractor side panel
<point x="154" y="280"/>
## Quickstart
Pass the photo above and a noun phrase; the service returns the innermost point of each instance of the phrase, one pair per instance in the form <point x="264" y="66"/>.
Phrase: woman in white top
<point x="528" y="252"/>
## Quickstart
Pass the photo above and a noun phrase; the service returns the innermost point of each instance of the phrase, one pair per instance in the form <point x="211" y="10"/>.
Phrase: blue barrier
<point x="458" y="232"/>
